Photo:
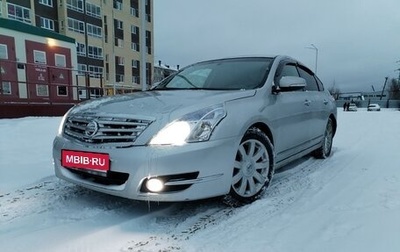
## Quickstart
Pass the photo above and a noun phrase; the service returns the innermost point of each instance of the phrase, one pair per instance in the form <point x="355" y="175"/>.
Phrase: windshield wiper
<point x="187" y="80"/>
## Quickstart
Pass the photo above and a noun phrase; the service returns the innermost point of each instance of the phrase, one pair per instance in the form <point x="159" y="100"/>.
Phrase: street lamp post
<point x="313" y="47"/>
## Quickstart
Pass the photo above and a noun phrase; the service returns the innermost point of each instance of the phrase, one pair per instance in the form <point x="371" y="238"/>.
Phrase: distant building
<point x="58" y="52"/>
<point x="162" y="71"/>
<point x="351" y="96"/>
<point x="106" y="33"/>
<point x="376" y="95"/>
<point x="36" y="67"/>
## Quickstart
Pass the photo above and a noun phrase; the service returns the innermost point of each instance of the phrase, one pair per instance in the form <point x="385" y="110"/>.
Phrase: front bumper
<point x="197" y="170"/>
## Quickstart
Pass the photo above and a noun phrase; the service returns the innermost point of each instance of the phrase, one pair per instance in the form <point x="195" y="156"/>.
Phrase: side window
<point x="310" y="80"/>
<point x="289" y="70"/>
<point x="320" y="85"/>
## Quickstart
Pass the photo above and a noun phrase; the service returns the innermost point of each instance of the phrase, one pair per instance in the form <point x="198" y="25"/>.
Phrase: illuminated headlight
<point x="193" y="127"/>
<point x="154" y="185"/>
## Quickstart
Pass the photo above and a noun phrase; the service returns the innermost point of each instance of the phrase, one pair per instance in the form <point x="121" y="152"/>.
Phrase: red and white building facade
<point x="36" y="65"/>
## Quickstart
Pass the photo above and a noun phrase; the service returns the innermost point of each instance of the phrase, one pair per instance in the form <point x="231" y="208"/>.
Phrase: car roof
<point x="277" y="57"/>
<point x="249" y="56"/>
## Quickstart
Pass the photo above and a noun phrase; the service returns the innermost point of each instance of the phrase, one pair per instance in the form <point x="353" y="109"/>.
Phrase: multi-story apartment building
<point x="107" y="35"/>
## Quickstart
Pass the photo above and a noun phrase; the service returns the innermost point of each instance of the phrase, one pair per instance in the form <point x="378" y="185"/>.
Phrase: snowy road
<point x="349" y="202"/>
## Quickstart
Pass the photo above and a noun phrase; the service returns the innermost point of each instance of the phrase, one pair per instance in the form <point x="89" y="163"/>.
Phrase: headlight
<point x="192" y="127"/>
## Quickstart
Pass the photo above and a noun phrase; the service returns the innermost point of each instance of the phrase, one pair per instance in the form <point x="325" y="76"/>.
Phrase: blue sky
<point x="358" y="41"/>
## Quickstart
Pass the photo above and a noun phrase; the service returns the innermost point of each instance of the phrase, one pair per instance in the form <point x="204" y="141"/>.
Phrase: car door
<point x="293" y="116"/>
<point x="318" y="109"/>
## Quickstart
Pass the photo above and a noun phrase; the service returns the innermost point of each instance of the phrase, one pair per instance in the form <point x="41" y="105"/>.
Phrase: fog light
<point x="154" y="185"/>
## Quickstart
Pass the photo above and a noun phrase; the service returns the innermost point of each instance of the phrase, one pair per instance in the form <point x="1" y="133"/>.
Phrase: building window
<point x="148" y="42"/>
<point x="148" y="73"/>
<point x="47" y="23"/>
<point x="42" y="90"/>
<point x="136" y="79"/>
<point x="46" y="2"/>
<point x="148" y="17"/>
<point x="3" y="51"/>
<point x="120" y="60"/>
<point x="119" y="78"/>
<point x="5" y="88"/>
<point x="76" y="25"/>
<point x="94" y="31"/>
<point x="76" y="5"/>
<point x="60" y="60"/>
<point x="135" y="64"/>
<point x="135" y="46"/>
<point x="39" y="57"/>
<point x="95" y="71"/>
<point x="62" y="91"/>
<point x="95" y="52"/>
<point x="120" y="24"/>
<point x="82" y="69"/>
<point x="81" y="49"/>
<point x="19" y="13"/>
<point x="134" y="12"/>
<point x="93" y="10"/>
<point x="119" y="42"/>
<point x="117" y="4"/>
<point x="134" y="29"/>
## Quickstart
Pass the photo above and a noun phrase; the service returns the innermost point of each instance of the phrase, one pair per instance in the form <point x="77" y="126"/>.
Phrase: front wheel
<point x="326" y="147"/>
<point x="253" y="168"/>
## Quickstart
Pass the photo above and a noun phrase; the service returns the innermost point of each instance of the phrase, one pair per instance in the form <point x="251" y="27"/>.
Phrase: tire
<point x="326" y="147"/>
<point x="253" y="168"/>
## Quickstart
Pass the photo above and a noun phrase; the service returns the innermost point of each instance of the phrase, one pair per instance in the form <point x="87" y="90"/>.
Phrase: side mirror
<point x="292" y="83"/>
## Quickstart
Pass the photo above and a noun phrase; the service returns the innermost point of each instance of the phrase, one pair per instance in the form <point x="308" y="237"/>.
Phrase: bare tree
<point x="394" y="89"/>
<point x="334" y="91"/>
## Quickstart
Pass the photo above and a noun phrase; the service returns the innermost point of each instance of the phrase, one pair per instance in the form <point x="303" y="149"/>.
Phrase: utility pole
<point x="399" y="73"/>
<point x="313" y="47"/>
<point x="384" y="85"/>
<point x="398" y="69"/>
<point x="143" y="61"/>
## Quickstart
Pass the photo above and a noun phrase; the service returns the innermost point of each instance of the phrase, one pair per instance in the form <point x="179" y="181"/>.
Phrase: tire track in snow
<point x="188" y="219"/>
<point x="178" y="223"/>
<point x="58" y="198"/>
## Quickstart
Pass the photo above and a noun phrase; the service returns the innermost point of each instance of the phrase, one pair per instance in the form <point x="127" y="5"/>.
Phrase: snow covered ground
<point x="349" y="202"/>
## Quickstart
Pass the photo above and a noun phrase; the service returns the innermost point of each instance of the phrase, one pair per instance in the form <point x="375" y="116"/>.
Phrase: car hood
<point x="153" y="103"/>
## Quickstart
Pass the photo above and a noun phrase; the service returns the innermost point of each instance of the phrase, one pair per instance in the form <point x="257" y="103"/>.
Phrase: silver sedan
<point x="215" y="128"/>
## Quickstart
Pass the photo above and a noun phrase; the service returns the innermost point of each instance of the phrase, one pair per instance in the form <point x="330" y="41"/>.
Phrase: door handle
<point x="325" y="102"/>
<point x="307" y="102"/>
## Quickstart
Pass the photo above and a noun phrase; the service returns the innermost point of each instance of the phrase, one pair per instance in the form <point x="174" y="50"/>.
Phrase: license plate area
<point x="89" y="161"/>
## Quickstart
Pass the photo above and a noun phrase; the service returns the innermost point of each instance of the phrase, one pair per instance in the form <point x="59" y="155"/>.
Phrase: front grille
<point x="112" y="178"/>
<point x="118" y="131"/>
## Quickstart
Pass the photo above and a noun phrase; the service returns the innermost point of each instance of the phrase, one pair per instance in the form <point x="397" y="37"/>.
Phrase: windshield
<point x="227" y="74"/>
